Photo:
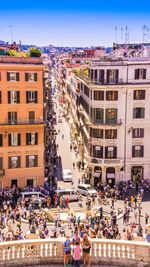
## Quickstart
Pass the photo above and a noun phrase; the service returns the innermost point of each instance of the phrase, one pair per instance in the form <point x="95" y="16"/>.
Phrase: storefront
<point x="110" y="176"/>
<point x="97" y="175"/>
<point x="136" y="173"/>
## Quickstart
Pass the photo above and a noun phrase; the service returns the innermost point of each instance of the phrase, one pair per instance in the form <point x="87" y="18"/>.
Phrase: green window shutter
<point x="134" y="113"/>
<point x="142" y="112"/>
<point x="106" y="115"/>
<point x="115" y="113"/>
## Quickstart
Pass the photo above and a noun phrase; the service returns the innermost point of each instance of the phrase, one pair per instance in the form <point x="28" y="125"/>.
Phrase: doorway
<point x="110" y="176"/>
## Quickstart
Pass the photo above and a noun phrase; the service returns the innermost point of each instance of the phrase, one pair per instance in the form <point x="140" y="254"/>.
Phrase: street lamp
<point x="139" y="200"/>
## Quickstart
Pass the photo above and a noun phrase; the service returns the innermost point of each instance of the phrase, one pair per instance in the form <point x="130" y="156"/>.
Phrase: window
<point x="14" y="139"/>
<point x="140" y="74"/>
<point x="13" y="97"/>
<point x="31" y="77"/>
<point x="97" y="151"/>
<point x="1" y="140"/>
<point x="112" y="95"/>
<point x="14" y="162"/>
<point x="111" y="134"/>
<point x="139" y="94"/>
<point x="32" y="161"/>
<point x="138" y="113"/>
<point x="97" y="115"/>
<point x="13" y="76"/>
<point x="12" y="117"/>
<point x="96" y="133"/>
<point x="137" y="151"/>
<point x="111" y="152"/>
<point x="86" y="90"/>
<point x="31" y="116"/>
<point x="1" y="163"/>
<point x="101" y="76"/>
<point x="31" y="139"/>
<point x="138" y="133"/>
<point x="98" y="95"/>
<point x="0" y="97"/>
<point x="112" y="76"/>
<point x="111" y="115"/>
<point x="31" y="97"/>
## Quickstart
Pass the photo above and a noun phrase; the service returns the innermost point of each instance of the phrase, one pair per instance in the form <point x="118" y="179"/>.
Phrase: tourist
<point x="67" y="251"/>
<point x="86" y="245"/>
<point x="77" y="255"/>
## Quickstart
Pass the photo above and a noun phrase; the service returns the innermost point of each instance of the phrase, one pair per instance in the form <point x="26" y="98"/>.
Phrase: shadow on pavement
<point x="59" y="169"/>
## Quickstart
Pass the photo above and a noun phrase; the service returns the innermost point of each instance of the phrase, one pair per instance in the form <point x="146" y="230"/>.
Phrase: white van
<point x="29" y="196"/>
<point x="68" y="193"/>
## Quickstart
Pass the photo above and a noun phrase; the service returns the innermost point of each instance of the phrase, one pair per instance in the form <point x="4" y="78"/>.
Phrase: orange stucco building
<point x="21" y="122"/>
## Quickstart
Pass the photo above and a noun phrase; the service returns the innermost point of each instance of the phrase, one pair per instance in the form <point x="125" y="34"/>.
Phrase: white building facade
<point x="114" y="120"/>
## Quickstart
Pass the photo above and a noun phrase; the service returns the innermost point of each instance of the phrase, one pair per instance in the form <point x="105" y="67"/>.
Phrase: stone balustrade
<point x="109" y="252"/>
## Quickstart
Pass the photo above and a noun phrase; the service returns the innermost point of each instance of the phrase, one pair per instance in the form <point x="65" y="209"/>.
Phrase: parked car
<point x="67" y="175"/>
<point x="68" y="193"/>
<point x="86" y="189"/>
<point x="59" y="119"/>
<point x="29" y="196"/>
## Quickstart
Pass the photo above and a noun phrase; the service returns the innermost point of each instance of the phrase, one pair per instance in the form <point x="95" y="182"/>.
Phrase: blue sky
<point x="73" y="23"/>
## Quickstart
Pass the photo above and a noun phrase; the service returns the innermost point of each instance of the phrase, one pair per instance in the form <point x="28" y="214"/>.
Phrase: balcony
<point x="105" y="123"/>
<point x="104" y="162"/>
<point x="101" y="82"/>
<point x="23" y="122"/>
<point x="2" y="172"/>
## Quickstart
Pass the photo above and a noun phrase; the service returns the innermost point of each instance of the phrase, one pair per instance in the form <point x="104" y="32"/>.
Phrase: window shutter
<point x="17" y="76"/>
<point x="35" y="95"/>
<point x="115" y="114"/>
<point x="144" y="73"/>
<point x="108" y="74"/>
<point x="134" y="113"/>
<point x="36" y="161"/>
<point x="115" y="134"/>
<point x="142" y="112"/>
<point x="9" y="163"/>
<point x="143" y="94"/>
<point x="27" y="97"/>
<point x="27" y="139"/>
<point x="26" y="76"/>
<point x="1" y="163"/>
<point x="102" y="76"/>
<point x="9" y="117"/>
<point x="116" y="92"/>
<point x="27" y="161"/>
<point x="115" y="152"/>
<point x="137" y="73"/>
<point x="106" y="152"/>
<point x="15" y="117"/>
<point x="1" y="140"/>
<point x="19" y="162"/>
<point x="134" y="95"/>
<point x="19" y="139"/>
<point x="142" y="151"/>
<point x="133" y="151"/>
<point x="106" y="115"/>
<point x="95" y="74"/>
<point x="89" y="73"/>
<point x="91" y="132"/>
<point x="36" y="138"/>
<point x="117" y="75"/>
<point x="0" y="76"/>
<point x="8" y="76"/>
<point x="142" y="132"/>
<point x="107" y="95"/>
<point x="101" y="152"/>
<point x="18" y="97"/>
<point x="0" y="97"/>
<point x="9" y="139"/>
<point x="35" y="77"/>
<point x="9" y="97"/>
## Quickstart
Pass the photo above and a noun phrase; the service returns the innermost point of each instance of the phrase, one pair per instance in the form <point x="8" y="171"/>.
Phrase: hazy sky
<point x="73" y="23"/>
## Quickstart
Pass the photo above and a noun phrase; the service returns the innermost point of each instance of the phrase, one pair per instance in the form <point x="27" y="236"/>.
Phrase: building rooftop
<point x="21" y="60"/>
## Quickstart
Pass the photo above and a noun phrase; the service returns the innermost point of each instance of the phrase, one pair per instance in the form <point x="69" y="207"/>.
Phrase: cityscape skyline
<point x="79" y="25"/>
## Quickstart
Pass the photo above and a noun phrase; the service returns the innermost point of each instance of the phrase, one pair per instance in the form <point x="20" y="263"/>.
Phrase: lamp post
<point x="139" y="200"/>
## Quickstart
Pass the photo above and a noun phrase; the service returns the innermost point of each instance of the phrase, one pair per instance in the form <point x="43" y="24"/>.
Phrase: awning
<point x="97" y="174"/>
<point x="110" y="175"/>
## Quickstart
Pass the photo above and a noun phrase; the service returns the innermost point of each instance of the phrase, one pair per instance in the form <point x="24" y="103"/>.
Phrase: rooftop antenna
<point x="11" y="33"/>
<point x="121" y="35"/>
<point x="145" y="31"/>
<point x="126" y="35"/>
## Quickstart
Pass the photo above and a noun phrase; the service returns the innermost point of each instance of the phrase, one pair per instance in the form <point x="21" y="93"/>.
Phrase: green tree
<point x="34" y="52"/>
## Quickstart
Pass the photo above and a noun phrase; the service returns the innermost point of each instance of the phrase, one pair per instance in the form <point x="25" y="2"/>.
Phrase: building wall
<point x="23" y="126"/>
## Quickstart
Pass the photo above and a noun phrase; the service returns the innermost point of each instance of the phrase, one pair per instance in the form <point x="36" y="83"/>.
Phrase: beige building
<point x="21" y="122"/>
<point x="114" y="120"/>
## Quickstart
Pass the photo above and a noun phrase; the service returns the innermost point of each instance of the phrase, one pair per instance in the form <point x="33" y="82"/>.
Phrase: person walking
<point x="67" y="251"/>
